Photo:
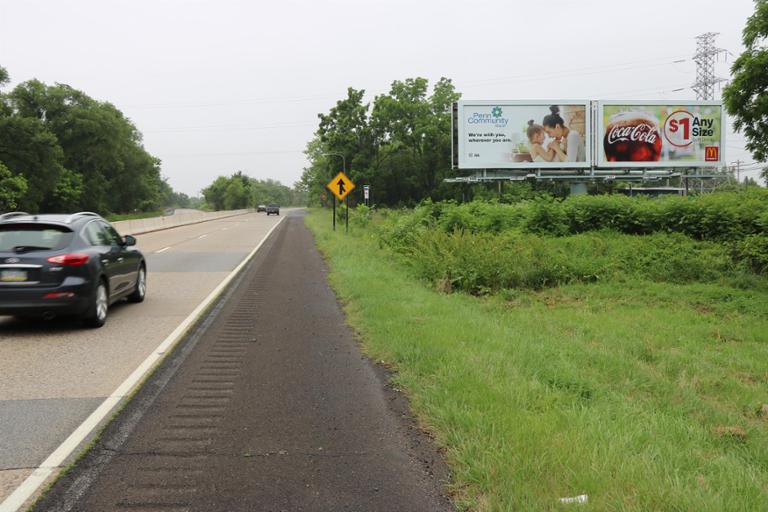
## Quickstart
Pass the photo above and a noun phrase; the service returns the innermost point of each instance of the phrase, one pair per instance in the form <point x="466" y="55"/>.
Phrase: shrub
<point x="724" y="216"/>
<point x="752" y="252"/>
<point x="547" y="217"/>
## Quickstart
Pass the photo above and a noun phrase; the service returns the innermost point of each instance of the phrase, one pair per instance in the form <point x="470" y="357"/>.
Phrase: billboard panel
<point x="523" y="134"/>
<point x="652" y="134"/>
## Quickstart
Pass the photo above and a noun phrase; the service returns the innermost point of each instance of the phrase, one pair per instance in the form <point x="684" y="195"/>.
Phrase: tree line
<point x="61" y="150"/>
<point x="400" y="144"/>
<point x="239" y="191"/>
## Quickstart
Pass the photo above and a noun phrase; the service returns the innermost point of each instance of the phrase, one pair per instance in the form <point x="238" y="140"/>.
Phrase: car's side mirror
<point x="128" y="240"/>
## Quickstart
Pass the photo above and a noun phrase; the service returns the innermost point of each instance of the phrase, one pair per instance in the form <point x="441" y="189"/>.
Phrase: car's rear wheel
<point x="96" y="316"/>
<point x="140" y="291"/>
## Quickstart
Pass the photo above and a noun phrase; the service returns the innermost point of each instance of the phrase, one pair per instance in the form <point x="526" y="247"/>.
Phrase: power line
<point x="224" y="127"/>
<point x="276" y="152"/>
<point x="673" y="88"/>
<point x="627" y="66"/>
<point x="254" y="101"/>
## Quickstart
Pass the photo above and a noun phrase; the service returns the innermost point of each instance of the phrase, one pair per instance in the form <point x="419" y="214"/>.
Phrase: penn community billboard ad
<point x="523" y="134"/>
<point x="659" y="134"/>
<point x="564" y="134"/>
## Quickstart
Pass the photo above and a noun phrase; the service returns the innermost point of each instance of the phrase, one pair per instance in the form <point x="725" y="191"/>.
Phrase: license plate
<point x="13" y="276"/>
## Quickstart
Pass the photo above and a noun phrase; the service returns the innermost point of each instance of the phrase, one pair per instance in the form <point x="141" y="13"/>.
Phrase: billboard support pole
<point x="578" y="189"/>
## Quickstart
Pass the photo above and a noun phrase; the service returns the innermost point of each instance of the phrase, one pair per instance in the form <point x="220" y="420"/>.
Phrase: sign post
<point x="366" y="194"/>
<point x="340" y="186"/>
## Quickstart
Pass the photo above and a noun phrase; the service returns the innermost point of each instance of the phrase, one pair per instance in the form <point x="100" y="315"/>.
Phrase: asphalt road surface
<point x="270" y="406"/>
<point x="54" y="374"/>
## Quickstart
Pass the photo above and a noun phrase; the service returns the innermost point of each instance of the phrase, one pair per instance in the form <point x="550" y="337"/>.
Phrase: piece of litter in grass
<point x="576" y="499"/>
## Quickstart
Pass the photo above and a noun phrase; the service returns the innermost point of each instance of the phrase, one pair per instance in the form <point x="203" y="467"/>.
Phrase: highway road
<point x="269" y="406"/>
<point x="54" y="374"/>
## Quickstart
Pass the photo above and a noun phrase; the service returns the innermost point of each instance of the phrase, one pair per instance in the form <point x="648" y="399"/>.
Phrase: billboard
<point x="653" y="134"/>
<point x="522" y="134"/>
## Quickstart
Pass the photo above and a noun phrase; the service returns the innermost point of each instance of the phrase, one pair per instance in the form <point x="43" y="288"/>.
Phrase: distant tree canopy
<point x="61" y="150"/>
<point x="400" y="146"/>
<point x="240" y="191"/>
<point x="746" y="97"/>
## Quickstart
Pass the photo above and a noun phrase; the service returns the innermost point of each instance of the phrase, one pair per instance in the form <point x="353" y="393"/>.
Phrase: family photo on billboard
<point x="555" y="140"/>
<point x="523" y="134"/>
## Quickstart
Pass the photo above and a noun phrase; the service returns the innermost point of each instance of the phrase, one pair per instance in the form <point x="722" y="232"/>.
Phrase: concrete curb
<point x="141" y="226"/>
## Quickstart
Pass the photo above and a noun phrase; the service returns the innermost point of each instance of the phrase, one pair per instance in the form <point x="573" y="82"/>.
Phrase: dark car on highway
<point x="273" y="208"/>
<point x="63" y="265"/>
<point x="261" y="208"/>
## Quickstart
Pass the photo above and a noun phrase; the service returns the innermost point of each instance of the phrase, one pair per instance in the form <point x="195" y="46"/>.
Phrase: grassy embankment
<point x="641" y="393"/>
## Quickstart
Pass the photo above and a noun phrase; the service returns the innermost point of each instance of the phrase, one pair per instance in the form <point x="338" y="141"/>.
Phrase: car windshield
<point x="33" y="237"/>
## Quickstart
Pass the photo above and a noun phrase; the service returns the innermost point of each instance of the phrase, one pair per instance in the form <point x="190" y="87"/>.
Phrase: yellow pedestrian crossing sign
<point x="340" y="186"/>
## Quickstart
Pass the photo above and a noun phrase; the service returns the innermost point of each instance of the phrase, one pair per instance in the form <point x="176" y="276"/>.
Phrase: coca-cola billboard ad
<point x="653" y="134"/>
<point x="552" y="134"/>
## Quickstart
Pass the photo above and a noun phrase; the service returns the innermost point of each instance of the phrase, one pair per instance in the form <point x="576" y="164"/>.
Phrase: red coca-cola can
<point x="632" y="136"/>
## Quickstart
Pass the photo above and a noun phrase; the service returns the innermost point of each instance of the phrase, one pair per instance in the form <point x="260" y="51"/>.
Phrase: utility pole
<point x="706" y="54"/>
<point x="738" y="169"/>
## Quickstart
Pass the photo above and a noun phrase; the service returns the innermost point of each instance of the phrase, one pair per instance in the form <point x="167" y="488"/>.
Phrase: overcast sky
<point x="225" y="85"/>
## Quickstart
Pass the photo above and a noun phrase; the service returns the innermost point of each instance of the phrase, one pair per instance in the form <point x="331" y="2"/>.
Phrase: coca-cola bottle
<point x="632" y="136"/>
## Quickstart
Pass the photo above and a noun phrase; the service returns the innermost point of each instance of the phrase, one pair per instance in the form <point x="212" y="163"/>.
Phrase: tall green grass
<point x="482" y="263"/>
<point x="644" y="395"/>
<point x="483" y="247"/>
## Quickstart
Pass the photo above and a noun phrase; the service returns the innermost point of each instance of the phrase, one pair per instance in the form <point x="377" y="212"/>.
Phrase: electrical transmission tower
<point x="706" y="54"/>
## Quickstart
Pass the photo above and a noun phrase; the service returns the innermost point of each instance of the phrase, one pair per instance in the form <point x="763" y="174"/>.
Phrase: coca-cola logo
<point x="642" y="132"/>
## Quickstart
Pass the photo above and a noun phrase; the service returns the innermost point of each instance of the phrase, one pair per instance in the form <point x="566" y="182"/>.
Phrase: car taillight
<point x="72" y="260"/>
<point x="59" y="295"/>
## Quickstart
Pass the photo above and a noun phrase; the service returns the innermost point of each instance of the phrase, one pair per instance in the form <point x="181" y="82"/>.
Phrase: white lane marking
<point x="201" y="237"/>
<point x="162" y="250"/>
<point x="56" y="459"/>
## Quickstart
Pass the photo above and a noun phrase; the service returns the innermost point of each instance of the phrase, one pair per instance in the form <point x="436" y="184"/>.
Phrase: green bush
<point x="547" y="217"/>
<point x="724" y="216"/>
<point x="752" y="252"/>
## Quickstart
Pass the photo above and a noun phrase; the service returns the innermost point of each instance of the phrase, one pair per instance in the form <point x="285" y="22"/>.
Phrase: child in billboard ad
<point x="523" y="135"/>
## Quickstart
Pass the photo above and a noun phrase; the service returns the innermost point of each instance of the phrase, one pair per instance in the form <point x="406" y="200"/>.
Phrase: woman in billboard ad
<point x="567" y="143"/>
<point x="558" y="140"/>
<point x="522" y="134"/>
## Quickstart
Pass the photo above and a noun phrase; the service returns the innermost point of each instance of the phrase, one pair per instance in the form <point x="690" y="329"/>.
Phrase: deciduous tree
<point x="746" y="97"/>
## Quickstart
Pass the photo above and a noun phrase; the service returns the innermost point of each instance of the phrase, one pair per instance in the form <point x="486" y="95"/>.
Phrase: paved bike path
<point x="269" y="406"/>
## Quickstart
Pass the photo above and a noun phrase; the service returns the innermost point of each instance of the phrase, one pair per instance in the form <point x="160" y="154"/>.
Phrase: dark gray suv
<point x="56" y="265"/>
